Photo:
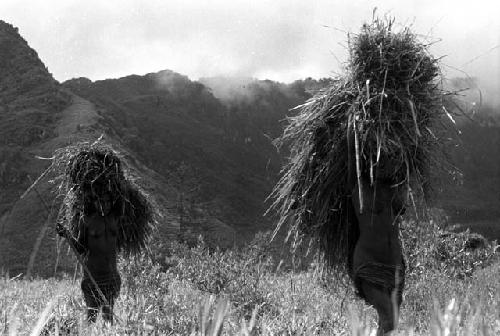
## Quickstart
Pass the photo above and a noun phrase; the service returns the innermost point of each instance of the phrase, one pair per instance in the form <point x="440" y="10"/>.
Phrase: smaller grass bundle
<point x="92" y="173"/>
<point x="382" y="120"/>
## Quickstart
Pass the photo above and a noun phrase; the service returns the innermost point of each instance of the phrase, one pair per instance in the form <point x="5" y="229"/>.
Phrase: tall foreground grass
<point x="241" y="293"/>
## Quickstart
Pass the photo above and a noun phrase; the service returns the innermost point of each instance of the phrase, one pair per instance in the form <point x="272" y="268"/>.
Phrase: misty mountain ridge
<point x="202" y="149"/>
<point x="208" y="164"/>
<point x="172" y="124"/>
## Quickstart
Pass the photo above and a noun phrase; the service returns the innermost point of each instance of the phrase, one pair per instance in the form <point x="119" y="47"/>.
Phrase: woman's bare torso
<point x="378" y="226"/>
<point x="101" y="240"/>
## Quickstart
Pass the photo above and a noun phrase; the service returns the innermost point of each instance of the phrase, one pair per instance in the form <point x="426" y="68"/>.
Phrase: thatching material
<point x="86" y="172"/>
<point x="381" y="120"/>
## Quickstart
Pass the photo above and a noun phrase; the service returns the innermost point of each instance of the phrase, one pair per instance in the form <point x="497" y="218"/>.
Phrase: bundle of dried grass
<point x="88" y="172"/>
<point x="382" y="120"/>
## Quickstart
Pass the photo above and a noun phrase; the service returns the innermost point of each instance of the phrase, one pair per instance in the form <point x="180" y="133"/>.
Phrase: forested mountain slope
<point x="203" y="150"/>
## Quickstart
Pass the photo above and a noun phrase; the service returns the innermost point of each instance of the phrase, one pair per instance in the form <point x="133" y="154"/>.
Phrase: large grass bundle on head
<point x="381" y="121"/>
<point x="91" y="172"/>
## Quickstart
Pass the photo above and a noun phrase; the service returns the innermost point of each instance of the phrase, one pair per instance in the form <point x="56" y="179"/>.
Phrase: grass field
<point x="242" y="293"/>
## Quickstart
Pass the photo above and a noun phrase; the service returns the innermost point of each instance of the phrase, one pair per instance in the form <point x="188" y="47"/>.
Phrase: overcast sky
<point x="281" y="40"/>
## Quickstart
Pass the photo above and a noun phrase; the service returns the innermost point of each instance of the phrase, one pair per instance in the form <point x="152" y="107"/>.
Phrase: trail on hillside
<point x="76" y="119"/>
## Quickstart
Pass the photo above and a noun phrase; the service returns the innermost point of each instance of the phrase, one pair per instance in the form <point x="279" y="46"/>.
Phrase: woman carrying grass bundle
<point x="97" y="241"/>
<point x="357" y="149"/>
<point x="106" y="214"/>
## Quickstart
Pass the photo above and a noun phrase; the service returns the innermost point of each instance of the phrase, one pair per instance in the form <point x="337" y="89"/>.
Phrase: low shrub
<point x="232" y="273"/>
<point x="428" y="246"/>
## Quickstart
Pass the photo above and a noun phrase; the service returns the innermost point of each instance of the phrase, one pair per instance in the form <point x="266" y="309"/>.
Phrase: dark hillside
<point x="218" y="151"/>
<point x="474" y="202"/>
<point x="38" y="116"/>
<point x="31" y="104"/>
<point x="208" y="162"/>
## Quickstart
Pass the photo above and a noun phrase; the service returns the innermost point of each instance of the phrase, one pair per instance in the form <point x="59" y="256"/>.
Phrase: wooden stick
<point x="35" y="183"/>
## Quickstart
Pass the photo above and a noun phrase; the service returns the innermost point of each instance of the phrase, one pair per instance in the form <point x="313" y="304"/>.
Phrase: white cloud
<point x="282" y="40"/>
